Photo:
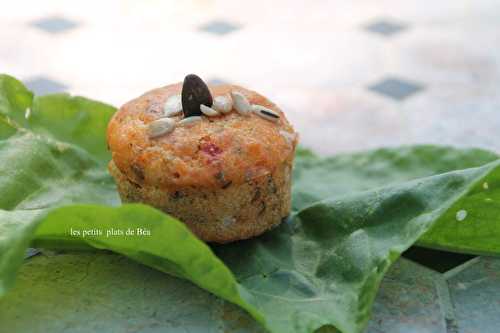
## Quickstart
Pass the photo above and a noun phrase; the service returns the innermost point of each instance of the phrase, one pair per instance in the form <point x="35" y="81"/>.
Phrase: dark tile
<point x="475" y="295"/>
<point x="43" y="85"/>
<point x="216" y="81"/>
<point x="386" y="27"/>
<point x="395" y="88"/>
<point x="219" y="27"/>
<point x="54" y="24"/>
<point x="30" y="252"/>
<point x="439" y="261"/>
<point x="407" y="301"/>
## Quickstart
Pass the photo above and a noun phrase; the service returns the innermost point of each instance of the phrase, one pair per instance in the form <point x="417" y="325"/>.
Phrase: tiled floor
<point x="351" y="75"/>
<point x="365" y="73"/>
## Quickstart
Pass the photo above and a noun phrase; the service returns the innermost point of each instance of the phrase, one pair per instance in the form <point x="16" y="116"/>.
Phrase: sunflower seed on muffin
<point x="241" y="103"/>
<point x="289" y="137"/>
<point x="265" y="113"/>
<point x="190" y="120"/>
<point x="160" y="127"/>
<point x="223" y="104"/>
<point x="173" y="106"/>
<point x="156" y="108"/>
<point x="208" y="111"/>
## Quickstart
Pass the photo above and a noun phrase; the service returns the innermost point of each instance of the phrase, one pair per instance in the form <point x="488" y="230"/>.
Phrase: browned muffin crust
<point x="199" y="154"/>
<point x="219" y="215"/>
<point x="227" y="177"/>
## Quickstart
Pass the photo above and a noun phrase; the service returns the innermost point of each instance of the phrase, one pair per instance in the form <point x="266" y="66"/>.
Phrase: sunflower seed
<point x="194" y="93"/>
<point x="241" y="103"/>
<point x="265" y="113"/>
<point x="228" y="221"/>
<point x="207" y="111"/>
<point x="223" y="104"/>
<point x="190" y="120"/>
<point x="289" y="137"/>
<point x="173" y="106"/>
<point x="160" y="127"/>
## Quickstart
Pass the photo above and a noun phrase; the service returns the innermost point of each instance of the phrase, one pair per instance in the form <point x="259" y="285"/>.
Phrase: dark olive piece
<point x="194" y="93"/>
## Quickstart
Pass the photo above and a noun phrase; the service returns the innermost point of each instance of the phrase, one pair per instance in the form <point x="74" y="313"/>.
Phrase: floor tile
<point x="30" y="252"/>
<point x="386" y="27"/>
<point x="395" y="88"/>
<point x="219" y="27"/>
<point x="407" y="301"/>
<point x="54" y="24"/>
<point x="475" y="293"/>
<point x="44" y="85"/>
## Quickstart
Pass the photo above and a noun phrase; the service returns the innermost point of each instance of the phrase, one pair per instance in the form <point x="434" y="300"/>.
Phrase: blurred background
<point x="351" y="75"/>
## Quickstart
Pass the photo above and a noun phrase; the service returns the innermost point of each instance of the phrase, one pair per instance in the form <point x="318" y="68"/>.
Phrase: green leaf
<point x="353" y="215"/>
<point x="75" y="120"/>
<point x="472" y="224"/>
<point x="103" y="292"/>
<point x="62" y="117"/>
<point x="316" y="178"/>
<point x="325" y="267"/>
<point x="15" y="100"/>
<point x="170" y="247"/>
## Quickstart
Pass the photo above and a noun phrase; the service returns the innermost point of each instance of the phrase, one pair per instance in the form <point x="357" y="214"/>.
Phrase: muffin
<point x="218" y="158"/>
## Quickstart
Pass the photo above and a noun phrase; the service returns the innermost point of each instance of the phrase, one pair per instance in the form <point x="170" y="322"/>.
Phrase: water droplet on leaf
<point x="461" y="215"/>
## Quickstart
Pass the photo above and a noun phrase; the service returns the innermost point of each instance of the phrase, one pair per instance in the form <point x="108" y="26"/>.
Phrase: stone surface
<point x="54" y="24"/>
<point x="385" y="27"/>
<point x="219" y="27"/>
<point x="408" y="301"/>
<point x="44" y="85"/>
<point x="85" y="292"/>
<point x="475" y="294"/>
<point x="395" y="88"/>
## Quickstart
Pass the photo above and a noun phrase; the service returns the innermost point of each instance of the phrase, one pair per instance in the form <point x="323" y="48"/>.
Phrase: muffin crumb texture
<point x="227" y="176"/>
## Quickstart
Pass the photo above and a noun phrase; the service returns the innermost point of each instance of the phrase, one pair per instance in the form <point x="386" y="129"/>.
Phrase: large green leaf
<point x="352" y="215"/>
<point x="87" y="292"/>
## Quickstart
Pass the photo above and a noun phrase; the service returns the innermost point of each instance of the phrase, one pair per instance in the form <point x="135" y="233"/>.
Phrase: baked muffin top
<point x="216" y="151"/>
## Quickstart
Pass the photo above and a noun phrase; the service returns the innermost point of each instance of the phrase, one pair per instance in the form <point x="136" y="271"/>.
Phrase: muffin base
<point x="219" y="215"/>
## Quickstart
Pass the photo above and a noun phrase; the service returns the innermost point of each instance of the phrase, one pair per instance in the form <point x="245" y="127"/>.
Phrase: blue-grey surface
<point x="408" y="301"/>
<point x="95" y="293"/>
<point x="44" y="85"/>
<point x="413" y="298"/>
<point x="54" y="24"/>
<point x="216" y="81"/>
<point x="219" y="27"/>
<point x="475" y="294"/>
<point x="108" y="293"/>
<point x="386" y="27"/>
<point x="30" y="252"/>
<point x="396" y="88"/>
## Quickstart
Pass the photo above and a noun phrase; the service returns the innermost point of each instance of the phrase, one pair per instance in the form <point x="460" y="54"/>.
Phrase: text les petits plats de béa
<point x="110" y="232"/>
